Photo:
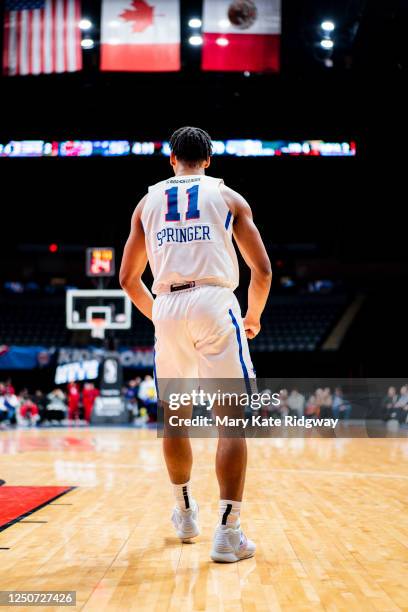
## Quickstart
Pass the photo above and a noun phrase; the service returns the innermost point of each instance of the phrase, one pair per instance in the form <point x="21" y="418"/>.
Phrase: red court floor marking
<point x="24" y="445"/>
<point x="18" y="502"/>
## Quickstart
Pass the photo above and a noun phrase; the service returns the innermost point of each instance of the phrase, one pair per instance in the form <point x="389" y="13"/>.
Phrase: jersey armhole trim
<point x="229" y="212"/>
<point x="142" y="214"/>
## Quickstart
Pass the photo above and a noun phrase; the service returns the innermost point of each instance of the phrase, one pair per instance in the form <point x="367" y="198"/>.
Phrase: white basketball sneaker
<point x="231" y="545"/>
<point x="186" y="522"/>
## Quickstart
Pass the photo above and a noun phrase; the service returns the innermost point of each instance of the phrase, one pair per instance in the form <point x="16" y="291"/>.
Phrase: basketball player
<point x="184" y="228"/>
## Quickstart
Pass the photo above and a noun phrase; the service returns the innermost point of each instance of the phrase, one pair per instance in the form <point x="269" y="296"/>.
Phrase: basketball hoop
<point x="98" y="310"/>
<point x="98" y="328"/>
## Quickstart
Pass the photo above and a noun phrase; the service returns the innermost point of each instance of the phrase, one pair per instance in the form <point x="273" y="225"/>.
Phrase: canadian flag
<point x="140" y="36"/>
<point x="242" y="35"/>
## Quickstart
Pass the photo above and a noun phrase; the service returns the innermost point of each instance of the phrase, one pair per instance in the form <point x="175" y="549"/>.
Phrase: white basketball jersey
<point x="188" y="229"/>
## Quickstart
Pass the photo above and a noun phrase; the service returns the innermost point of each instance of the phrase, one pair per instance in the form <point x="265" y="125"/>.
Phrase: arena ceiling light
<point x="327" y="44"/>
<point x="195" y="22"/>
<point x="85" y="24"/>
<point x="196" y="40"/>
<point x="328" y="26"/>
<point x="222" y="42"/>
<point x="87" y="43"/>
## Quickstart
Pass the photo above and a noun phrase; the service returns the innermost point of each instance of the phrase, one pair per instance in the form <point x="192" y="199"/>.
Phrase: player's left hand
<point x="252" y="327"/>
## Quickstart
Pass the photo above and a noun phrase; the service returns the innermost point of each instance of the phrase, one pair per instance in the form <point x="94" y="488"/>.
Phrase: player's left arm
<point x="134" y="263"/>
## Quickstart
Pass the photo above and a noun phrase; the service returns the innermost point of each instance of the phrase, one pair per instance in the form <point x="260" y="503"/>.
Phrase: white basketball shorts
<point x="200" y="334"/>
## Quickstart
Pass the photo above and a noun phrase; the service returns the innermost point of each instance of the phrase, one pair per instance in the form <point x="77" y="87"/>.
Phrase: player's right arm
<point x="134" y="263"/>
<point x="253" y="251"/>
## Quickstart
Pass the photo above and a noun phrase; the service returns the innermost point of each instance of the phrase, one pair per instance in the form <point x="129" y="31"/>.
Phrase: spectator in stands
<point x="148" y="397"/>
<point x="28" y="413"/>
<point x="326" y="403"/>
<point x="40" y="400"/>
<point x="284" y="397"/>
<point x="12" y="404"/>
<point x="296" y="403"/>
<point x="131" y="393"/>
<point x="9" y="387"/>
<point x="133" y="387"/>
<point x="312" y="408"/>
<point x="3" y="407"/>
<point x="89" y="395"/>
<point x="389" y="411"/>
<point x="341" y="408"/>
<point x="73" y="401"/>
<point x="268" y="410"/>
<point x="56" y="406"/>
<point x="24" y="394"/>
<point x="319" y="397"/>
<point x="402" y="404"/>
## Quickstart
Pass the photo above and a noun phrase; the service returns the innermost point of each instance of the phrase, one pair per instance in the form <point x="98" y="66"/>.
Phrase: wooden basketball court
<point x="328" y="516"/>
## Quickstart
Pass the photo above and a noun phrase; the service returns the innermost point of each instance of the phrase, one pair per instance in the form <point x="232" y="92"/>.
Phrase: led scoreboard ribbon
<point x="121" y="148"/>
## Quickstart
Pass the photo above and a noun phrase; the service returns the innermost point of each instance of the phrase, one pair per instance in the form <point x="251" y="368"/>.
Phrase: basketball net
<point x="98" y="328"/>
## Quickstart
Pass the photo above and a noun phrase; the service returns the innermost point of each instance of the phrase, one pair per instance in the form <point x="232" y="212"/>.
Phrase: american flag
<point x="41" y="37"/>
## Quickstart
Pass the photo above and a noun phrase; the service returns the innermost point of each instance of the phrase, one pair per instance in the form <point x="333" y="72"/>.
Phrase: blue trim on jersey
<point x="241" y="358"/>
<point x="155" y="374"/>
<point x="228" y="219"/>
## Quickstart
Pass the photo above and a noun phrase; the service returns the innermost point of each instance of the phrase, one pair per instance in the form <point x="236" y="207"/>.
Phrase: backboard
<point x="98" y="310"/>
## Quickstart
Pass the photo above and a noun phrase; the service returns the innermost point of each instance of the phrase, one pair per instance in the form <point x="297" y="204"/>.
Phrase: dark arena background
<point x="318" y="149"/>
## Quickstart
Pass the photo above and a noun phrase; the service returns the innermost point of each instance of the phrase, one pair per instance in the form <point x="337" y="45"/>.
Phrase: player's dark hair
<point x="191" y="144"/>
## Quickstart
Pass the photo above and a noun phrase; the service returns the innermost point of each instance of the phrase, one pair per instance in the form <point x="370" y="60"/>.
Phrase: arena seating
<point x="298" y="323"/>
<point x="295" y="323"/>
<point x="33" y="320"/>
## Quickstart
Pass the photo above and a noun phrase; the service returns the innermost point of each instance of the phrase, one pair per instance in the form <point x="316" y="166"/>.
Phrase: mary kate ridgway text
<point x="252" y="421"/>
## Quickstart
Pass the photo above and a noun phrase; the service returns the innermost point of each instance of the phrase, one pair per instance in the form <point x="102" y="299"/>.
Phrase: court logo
<point x="110" y="372"/>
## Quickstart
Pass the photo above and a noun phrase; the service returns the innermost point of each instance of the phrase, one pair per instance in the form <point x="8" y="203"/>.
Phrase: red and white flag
<point x="242" y="35"/>
<point x="140" y="36"/>
<point x="41" y="37"/>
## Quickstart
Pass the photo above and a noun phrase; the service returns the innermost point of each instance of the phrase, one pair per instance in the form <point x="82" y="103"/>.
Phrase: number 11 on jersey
<point x="172" y="204"/>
